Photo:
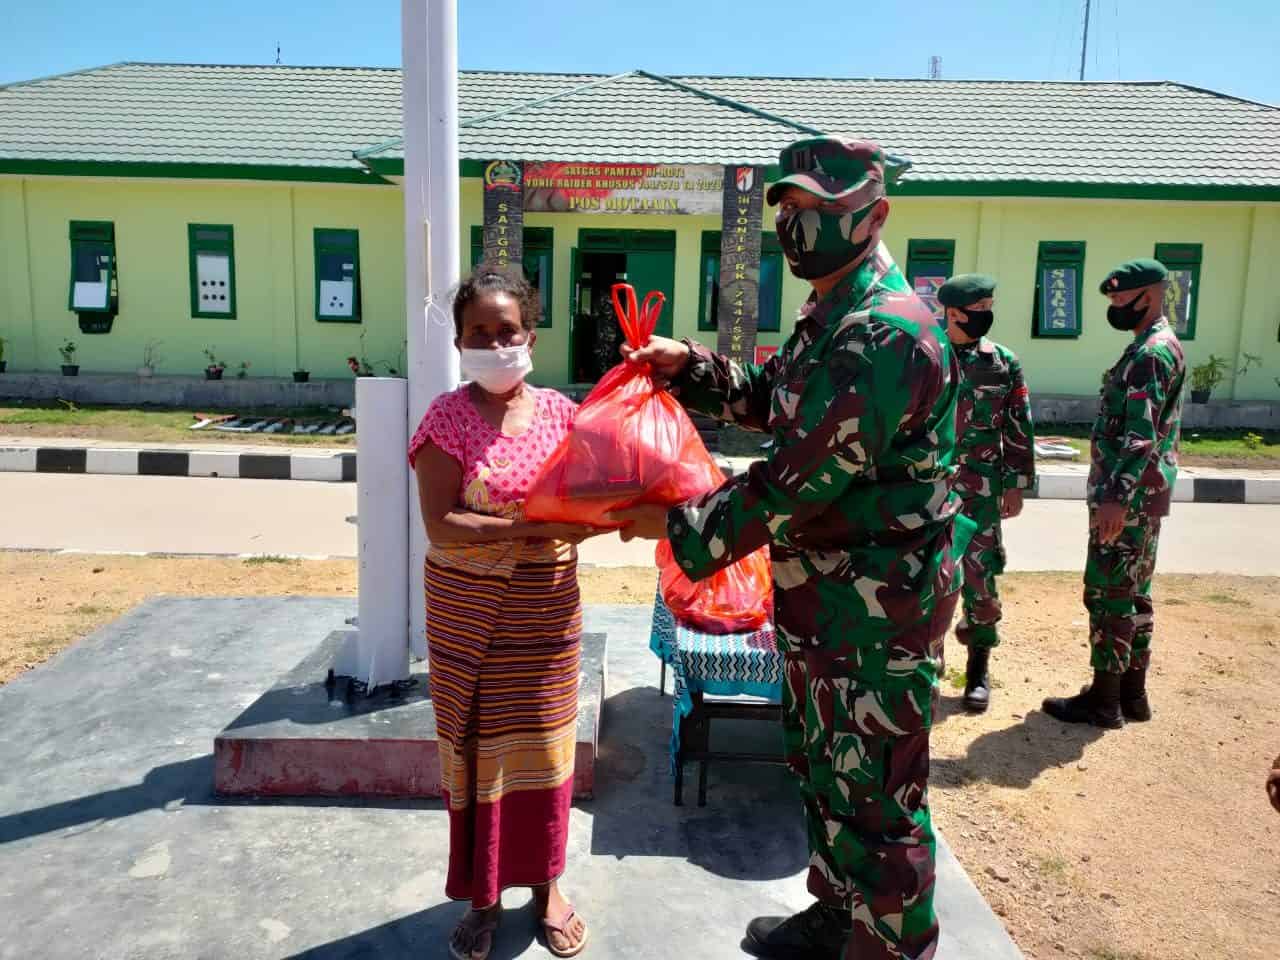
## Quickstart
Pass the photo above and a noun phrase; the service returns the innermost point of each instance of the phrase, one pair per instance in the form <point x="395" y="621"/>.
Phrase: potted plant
<point x="301" y="376"/>
<point x="150" y="358"/>
<point x="69" y="366"/>
<point x="242" y="371"/>
<point x="1206" y="376"/>
<point x="213" y="369"/>
<point x="2" y="360"/>
<point x="361" y="367"/>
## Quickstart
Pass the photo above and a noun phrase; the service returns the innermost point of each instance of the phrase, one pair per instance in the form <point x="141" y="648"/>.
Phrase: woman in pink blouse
<point x="503" y="620"/>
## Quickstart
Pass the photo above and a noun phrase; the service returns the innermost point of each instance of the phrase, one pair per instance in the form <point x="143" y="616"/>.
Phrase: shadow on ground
<point x="1016" y="755"/>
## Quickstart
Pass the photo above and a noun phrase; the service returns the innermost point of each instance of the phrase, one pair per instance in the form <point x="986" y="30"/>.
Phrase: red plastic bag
<point x="633" y="443"/>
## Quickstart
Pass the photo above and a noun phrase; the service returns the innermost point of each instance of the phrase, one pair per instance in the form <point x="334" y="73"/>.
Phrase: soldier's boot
<point x="1133" y="695"/>
<point x="818" y="933"/>
<point x="1098" y="704"/>
<point x="977" y="682"/>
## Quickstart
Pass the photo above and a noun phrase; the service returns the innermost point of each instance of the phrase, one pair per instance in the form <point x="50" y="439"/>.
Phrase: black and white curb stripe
<point x="341" y="468"/>
<point x="334" y="468"/>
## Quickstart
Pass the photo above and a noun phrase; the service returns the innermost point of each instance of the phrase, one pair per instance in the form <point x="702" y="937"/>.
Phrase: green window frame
<point x="539" y="263"/>
<point x="1182" y="296"/>
<point x="932" y="262"/>
<point x="93" y="286"/>
<point x="1057" y="309"/>
<point x="211" y="266"/>
<point x="337" y="264"/>
<point x="769" y="306"/>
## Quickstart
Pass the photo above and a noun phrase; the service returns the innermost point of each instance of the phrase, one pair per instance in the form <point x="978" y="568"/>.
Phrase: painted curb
<point x="341" y="468"/>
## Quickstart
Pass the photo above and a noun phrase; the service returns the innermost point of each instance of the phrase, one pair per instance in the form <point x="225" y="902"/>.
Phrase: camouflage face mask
<point x="819" y="242"/>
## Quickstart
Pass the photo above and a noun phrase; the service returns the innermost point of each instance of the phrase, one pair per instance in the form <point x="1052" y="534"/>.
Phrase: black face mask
<point x="1127" y="317"/>
<point x="977" y="322"/>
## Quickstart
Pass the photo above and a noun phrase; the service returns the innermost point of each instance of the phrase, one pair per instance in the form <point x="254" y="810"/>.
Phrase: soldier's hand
<point x="1273" y="785"/>
<point x="1011" y="504"/>
<point x="1108" y="518"/>
<point x="668" y="358"/>
<point x="644" y="522"/>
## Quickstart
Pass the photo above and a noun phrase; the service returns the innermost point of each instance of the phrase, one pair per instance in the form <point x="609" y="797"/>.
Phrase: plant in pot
<point x="1206" y="376"/>
<point x="2" y="360"/>
<point x="213" y="369"/>
<point x="69" y="366"/>
<point x="150" y="358"/>
<point x="301" y="376"/>
<point x="361" y="367"/>
<point x="242" y="371"/>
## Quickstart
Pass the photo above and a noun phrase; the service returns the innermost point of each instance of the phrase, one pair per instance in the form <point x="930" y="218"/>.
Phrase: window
<point x="1059" y="284"/>
<point x="94" y="293"/>
<point x="770" y="291"/>
<point x="539" y="244"/>
<point x="337" y="276"/>
<point x="1183" y="293"/>
<point x="212" y="267"/>
<point x="929" y="265"/>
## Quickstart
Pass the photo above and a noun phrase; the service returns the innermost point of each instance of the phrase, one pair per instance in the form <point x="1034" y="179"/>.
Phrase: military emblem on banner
<point x="502" y="174"/>
<point x="746" y="178"/>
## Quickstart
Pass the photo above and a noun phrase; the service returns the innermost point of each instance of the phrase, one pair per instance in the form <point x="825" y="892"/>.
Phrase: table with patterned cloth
<point x="746" y="666"/>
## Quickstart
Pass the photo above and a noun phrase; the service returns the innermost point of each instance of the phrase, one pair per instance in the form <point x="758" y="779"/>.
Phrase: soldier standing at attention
<point x="1134" y="462"/>
<point x="995" y="454"/>
<point x="855" y="501"/>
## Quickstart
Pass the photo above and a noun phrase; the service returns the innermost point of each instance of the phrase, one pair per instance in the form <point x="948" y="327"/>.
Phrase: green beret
<point x="966" y="288"/>
<point x="1134" y="275"/>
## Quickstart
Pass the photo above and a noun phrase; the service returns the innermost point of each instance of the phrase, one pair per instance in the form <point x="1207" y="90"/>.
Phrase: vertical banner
<point x="503" y="213"/>
<point x="739" y="313"/>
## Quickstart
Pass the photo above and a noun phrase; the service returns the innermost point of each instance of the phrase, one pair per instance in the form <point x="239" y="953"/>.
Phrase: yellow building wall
<point x="275" y="329"/>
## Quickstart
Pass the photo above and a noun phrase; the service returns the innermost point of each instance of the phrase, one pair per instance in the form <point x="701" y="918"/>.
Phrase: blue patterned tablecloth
<point x="723" y="665"/>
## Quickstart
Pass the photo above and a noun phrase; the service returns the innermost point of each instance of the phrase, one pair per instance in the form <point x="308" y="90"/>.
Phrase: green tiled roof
<point x="962" y="136"/>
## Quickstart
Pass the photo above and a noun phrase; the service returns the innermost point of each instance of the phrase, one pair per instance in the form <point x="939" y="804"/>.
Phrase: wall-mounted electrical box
<point x="94" y="295"/>
<point x="211" y="253"/>
<point x="337" y="275"/>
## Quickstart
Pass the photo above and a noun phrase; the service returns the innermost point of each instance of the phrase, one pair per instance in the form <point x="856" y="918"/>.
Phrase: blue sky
<point x="1230" y="49"/>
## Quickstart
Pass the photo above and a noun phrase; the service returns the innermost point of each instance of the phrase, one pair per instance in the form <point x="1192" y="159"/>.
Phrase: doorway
<point x="643" y="258"/>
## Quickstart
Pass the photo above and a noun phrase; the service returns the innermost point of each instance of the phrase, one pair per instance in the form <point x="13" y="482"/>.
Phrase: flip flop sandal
<point x="561" y="927"/>
<point x="489" y="926"/>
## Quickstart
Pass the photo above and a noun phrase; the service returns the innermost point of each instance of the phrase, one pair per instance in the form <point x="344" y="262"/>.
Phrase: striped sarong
<point x="503" y="642"/>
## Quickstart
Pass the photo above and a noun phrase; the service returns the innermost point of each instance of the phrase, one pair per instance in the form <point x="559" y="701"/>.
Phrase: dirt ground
<point x="1148" y="843"/>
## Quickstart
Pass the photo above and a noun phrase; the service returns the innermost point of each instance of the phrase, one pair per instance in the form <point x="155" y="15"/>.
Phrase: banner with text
<point x="503" y="213"/>
<point x="621" y="188"/>
<point x="739" y="313"/>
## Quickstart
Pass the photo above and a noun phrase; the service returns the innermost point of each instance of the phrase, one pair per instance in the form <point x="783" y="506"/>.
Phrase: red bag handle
<point x="638" y="322"/>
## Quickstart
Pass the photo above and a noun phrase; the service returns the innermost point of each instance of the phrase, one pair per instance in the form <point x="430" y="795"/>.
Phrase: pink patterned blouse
<point x="496" y="469"/>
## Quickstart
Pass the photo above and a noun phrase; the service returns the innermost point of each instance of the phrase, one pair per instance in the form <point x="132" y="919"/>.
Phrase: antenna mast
<point x="1084" y="44"/>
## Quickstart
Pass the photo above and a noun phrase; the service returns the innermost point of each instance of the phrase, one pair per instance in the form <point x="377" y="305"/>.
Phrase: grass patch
<point x="1258" y="448"/>
<point x="62" y="418"/>
<point x="1053" y="867"/>
<point x="1107" y="953"/>
<point x="1227" y="598"/>
<point x="90" y="610"/>
<point x="269" y="558"/>
<point x="956" y="678"/>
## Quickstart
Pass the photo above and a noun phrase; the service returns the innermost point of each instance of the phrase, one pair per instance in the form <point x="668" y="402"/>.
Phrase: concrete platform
<point x="113" y="843"/>
<point x="306" y="738"/>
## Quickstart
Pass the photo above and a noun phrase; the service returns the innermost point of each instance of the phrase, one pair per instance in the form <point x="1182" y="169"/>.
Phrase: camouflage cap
<point x="833" y="169"/>
<point x="1133" y="275"/>
<point x="966" y="288"/>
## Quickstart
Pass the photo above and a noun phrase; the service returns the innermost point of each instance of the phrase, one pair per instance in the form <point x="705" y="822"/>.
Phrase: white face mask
<point x="497" y="371"/>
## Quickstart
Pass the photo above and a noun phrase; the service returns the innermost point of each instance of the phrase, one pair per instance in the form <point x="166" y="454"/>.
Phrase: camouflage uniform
<point x="995" y="453"/>
<point x="855" y="501"/>
<point x="1134" y="461"/>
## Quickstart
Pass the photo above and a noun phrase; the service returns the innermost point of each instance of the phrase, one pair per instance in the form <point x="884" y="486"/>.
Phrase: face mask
<point x="978" y="322"/>
<point x="497" y="371"/>
<point x="1126" y="317"/>
<point x="817" y="244"/>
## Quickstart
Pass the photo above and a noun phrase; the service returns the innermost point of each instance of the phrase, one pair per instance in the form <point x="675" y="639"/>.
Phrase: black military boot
<point x="977" y="683"/>
<point x="1133" y="695"/>
<point x="1098" y="703"/>
<point x="818" y="933"/>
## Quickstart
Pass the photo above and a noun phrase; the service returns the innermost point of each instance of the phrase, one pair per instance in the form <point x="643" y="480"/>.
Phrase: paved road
<point x="185" y="515"/>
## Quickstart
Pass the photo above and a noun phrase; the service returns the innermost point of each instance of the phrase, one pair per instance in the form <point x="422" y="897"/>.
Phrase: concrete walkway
<point x="113" y="844"/>
<point x="180" y="515"/>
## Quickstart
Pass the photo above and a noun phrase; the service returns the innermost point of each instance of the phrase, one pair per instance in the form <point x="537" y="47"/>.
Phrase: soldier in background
<point x="1134" y="462"/>
<point x="995" y="454"/>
